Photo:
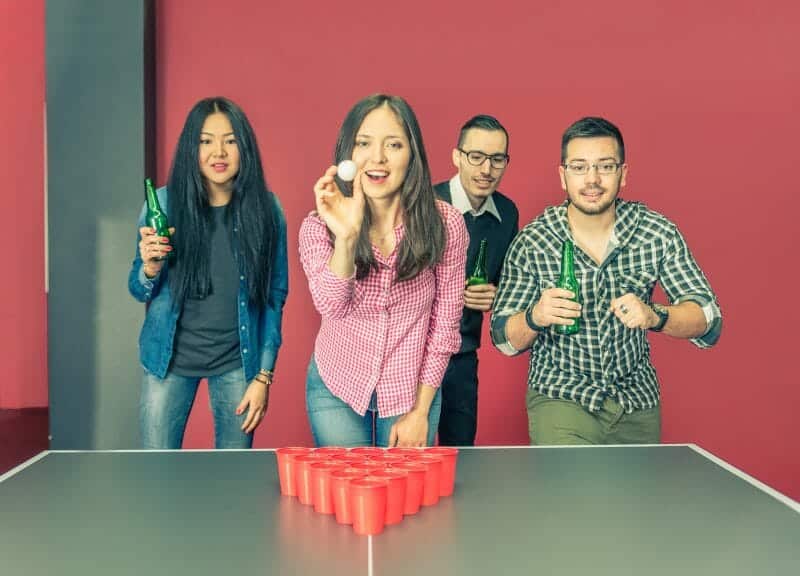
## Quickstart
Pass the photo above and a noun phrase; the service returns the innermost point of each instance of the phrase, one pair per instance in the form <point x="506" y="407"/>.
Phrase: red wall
<point x="707" y="100"/>
<point x="23" y="312"/>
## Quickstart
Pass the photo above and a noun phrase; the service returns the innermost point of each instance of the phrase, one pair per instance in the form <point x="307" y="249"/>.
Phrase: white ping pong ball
<point x="347" y="170"/>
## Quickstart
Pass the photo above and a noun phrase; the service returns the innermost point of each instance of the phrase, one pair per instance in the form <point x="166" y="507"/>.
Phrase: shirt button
<point x="241" y="277"/>
<point x="244" y="327"/>
<point x="242" y="303"/>
<point x="244" y="351"/>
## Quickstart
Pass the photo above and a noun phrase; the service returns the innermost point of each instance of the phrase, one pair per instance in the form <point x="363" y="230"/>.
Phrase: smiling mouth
<point x="377" y="175"/>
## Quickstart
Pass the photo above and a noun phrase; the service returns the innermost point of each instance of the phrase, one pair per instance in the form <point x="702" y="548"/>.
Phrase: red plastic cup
<point x="368" y="505"/>
<point x="302" y="465"/>
<point x="433" y="473"/>
<point x="321" y="485"/>
<point x="286" y="468"/>
<point x="449" y="455"/>
<point x="329" y="451"/>
<point x="340" y="488"/>
<point x="367" y="465"/>
<point x="369" y="451"/>
<point x="349" y="458"/>
<point x="389" y="459"/>
<point x="396" y="493"/>
<point x="415" y="483"/>
<point x="405" y="451"/>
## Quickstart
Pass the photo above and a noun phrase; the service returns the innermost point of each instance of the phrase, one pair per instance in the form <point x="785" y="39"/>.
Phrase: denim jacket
<point x="259" y="328"/>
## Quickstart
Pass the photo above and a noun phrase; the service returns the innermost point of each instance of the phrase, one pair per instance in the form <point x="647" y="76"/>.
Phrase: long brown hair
<point x="424" y="240"/>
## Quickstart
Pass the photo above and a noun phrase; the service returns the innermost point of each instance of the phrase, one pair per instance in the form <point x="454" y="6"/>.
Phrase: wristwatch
<point x="663" y="315"/>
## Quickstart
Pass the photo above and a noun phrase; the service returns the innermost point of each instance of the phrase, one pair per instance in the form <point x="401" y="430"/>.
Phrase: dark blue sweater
<point x="498" y="236"/>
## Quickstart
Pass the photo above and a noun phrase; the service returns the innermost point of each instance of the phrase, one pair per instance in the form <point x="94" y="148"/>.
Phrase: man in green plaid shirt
<point x="598" y="386"/>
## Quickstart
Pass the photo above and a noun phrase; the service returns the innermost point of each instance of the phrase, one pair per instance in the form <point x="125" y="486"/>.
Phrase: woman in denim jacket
<point x="214" y="306"/>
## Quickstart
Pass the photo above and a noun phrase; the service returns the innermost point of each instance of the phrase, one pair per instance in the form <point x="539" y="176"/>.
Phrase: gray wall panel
<point x="96" y="119"/>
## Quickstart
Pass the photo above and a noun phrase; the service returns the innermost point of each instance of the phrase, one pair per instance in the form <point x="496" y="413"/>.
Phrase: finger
<point x="423" y="437"/>
<point x="562" y="320"/>
<point x="258" y="416"/>
<point x="478" y="303"/>
<point x="326" y="181"/>
<point x="242" y="405"/>
<point x="393" y="438"/>
<point x="323" y="189"/>
<point x="146" y="231"/>
<point x="482" y="289"/>
<point x="252" y="414"/>
<point x="358" y="190"/>
<point x="559" y="293"/>
<point x="479" y="296"/>
<point x="559" y="305"/>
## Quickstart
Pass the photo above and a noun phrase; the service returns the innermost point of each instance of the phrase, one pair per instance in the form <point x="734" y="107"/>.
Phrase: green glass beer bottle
<point x="567" y="281"/>
<point x="156" y="218"/>
<point x="479" y="274"/>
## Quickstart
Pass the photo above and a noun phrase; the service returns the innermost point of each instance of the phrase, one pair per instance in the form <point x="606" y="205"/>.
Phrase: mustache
<point x="593" y="189"/>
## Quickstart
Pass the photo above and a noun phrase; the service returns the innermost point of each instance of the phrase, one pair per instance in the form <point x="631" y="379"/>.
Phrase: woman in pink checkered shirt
<point x="385" y="262"/>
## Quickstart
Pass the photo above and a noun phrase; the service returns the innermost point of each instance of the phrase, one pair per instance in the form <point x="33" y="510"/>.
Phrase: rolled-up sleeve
<point x="272" y="317"/>
<point x="684" y="281"/>
<point x="518" y="288"/>
<point x="333" y="297"/>
<point x="444" y="338"/>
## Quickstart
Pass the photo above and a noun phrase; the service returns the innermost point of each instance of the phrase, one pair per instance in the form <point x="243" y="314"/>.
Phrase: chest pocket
<point x="637" y="282"/>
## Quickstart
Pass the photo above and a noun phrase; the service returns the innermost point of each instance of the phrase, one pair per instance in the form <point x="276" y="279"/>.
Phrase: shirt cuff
<point x="499" y="338"/>
<point x="713" y="317"/>
<point x="269" y="356"/>
<point x="334" y="287"/>
<point x="433" y="368"/>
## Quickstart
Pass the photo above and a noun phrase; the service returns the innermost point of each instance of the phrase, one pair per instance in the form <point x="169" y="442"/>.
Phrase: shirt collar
<point x="628" y="215"/>
<point x="459" y="199"/>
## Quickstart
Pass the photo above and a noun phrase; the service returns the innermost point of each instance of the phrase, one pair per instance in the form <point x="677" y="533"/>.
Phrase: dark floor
<point x="23" y="434"/>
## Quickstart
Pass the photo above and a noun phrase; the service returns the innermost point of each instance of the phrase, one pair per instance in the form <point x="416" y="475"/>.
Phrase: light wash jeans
<point x="165" y="404"/>
<point x="335" y="423"/>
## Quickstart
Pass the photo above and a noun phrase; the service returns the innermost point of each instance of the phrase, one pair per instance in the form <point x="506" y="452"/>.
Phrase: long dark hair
<point x="252" y="208"/>
<point x="424" y="239"/>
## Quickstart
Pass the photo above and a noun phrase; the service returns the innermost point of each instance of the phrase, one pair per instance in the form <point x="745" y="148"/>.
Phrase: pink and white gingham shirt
<point x="380" y="335"/>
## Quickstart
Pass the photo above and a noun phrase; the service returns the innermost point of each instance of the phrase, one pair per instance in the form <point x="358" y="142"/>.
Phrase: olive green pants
<point x="552" y="422"/>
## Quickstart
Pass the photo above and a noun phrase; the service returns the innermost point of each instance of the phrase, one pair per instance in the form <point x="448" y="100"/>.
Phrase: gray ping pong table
<point x="615" y="510"/>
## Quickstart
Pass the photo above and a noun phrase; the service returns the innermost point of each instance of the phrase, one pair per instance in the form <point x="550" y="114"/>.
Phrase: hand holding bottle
<point x="556" y="306"/>
<point x="479" y="297"/>
<point x="153" y="250"/>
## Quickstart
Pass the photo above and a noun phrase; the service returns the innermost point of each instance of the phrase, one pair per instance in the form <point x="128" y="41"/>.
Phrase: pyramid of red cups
<point x="368" y="488"/>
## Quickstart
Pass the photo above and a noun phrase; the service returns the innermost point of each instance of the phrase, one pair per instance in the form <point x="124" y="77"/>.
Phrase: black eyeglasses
<point x="477" y="158"/>
<point x="606" y="168"/>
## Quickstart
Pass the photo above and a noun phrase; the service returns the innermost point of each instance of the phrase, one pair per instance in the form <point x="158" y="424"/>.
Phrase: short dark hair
<point x="481" y="122"/>
<point x="592" y="127"/>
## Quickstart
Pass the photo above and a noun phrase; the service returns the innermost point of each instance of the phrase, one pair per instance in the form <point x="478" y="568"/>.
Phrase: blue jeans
<point x="165" y="404"/>
<point x="335" y="423"/>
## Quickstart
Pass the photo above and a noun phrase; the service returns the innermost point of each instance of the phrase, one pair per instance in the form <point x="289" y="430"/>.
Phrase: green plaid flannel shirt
<point x="604" y="358"/>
